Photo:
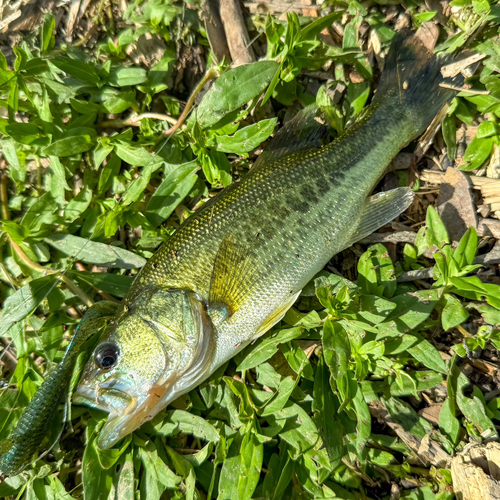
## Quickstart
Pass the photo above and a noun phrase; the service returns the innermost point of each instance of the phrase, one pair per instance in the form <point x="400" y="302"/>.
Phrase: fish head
<point x="155" y="349"/>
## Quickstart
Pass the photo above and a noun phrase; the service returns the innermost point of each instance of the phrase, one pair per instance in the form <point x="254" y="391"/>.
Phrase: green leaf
<point x="74" y="141"/>
<point x="449" y="129"/>
<point x="436" y="232"/>
<point x="234" y="89"/>
<point x="134" y="155"/>
<point x="247" y="138"/>
<point x="466" y="250"/>
<point x="412" y="309"/>
<point x="97" y="482"/>
<point x="448" y="422"/>
<point x="94" y="252"/>
<point x="170" y="193"/>
<point x="173" y="422"/>
<point x="325" y="407"/>
<point x="477" y="153"/>
<point x="78" y="69"/>
<point x="337" y="348"/>
<point x="157" y="476"/>
<point x="24" y="301"/>
<point x="318" y="25"/>
<point x="375" y="269"/>
<point x="123" y="77"/>
<point x="115" y="284"/>
<point x="428" y="355"/>
<point x="265" y="348"/>
<point x="424" y="17"/>
<point x="108" y="173"/>
<point x="49" y="26"/>
<point x="454" y="313"/>
<point x="251" y="457"/>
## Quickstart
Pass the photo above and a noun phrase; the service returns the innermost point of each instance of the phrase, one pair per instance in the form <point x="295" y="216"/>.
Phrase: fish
<point x="235" y="266"/>
<point x="17" y="451"/>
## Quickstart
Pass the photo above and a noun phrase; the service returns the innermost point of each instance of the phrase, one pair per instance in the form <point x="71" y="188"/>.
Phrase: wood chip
<point x="427" y="450"/>
<point x="455" y="204"/>
<point x="476" y="474"/>
<point x="451" y="70"/>
<point x="431" y="413"/>
<point x="493" y="170"/>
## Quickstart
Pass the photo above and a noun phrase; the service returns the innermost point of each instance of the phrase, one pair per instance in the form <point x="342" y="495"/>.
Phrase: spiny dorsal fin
<point x="305" y="130"/>
<point x="380" y="209"/>
<point x="232" y="277"/>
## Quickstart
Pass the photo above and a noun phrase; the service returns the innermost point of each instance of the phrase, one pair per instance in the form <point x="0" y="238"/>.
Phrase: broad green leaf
<point x="337" y="348"/>
<point x="412" y="309"/>
<point x="281" y="396"/>
<point x="247" y="138"/>
<point x="174" y="188"/>
<point x="115" y="284"/>
<point x="157" y="475"/>
<point x="74" y="141"/>
<point x="436" y="232"/>
<point x="472" y="408"/>
<point x="134" y="155"/>
<point x="78" y="69"/>
<point x="123" y="77"/>
<point x="251" y="456"/>
<point x="428" y="355"/>
<point x="449" y="129"/>
<point x="476" y="153"/>
<point x="265" y="348"/>
<point x="234" y="89"/>
<point x="448" y="422"/>
<point x="175" y="421"/>
<point x="97" y="482"/>
<point x="454" y="313"/>
<point x="325" y="407"/>
<point x="375" y="269"/>
<point x="94" y="252"/>
<point x="466" y="250"/>
<point x="24" y="301"/>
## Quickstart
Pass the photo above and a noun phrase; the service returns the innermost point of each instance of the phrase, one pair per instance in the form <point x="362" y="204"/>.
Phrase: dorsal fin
<point x="305" y="130"/>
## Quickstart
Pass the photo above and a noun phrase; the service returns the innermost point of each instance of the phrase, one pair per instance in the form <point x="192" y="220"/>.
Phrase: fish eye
<point x="106" y="356"/>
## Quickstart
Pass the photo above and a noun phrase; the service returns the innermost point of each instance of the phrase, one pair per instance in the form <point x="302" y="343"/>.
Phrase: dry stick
<point x="37" y="267"/>
<point x="462" y="89"/>
<point x="134" y="120"/>
<point x="236" y="32"/>
<point x="3" y="195"/>
<point x="215" y="30"/>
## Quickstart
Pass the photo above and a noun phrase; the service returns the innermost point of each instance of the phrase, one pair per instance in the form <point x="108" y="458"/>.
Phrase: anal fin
<point x="380" y="209"/>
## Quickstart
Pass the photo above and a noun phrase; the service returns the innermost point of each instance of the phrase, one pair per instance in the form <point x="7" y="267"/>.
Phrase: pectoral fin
<point x="380" y="209"/>
<point x="233" y="277"/>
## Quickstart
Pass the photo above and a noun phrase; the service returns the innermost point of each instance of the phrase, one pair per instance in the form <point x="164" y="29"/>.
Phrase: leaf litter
<point x="347" y="418"/>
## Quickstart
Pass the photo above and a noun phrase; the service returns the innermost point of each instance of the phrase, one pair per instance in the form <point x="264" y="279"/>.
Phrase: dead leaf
<point x="455" y="204"/>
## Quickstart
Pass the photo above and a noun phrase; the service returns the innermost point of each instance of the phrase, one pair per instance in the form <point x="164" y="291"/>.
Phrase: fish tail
<point x="413" y="82"/>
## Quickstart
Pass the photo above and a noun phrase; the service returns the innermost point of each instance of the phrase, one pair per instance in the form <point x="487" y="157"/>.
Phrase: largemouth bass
<point x="238" y="264"/>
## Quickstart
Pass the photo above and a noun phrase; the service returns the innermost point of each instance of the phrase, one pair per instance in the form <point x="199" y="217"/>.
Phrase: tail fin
<point x="412" y="78"/>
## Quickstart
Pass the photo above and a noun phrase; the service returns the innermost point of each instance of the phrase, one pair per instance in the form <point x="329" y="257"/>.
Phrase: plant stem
<point x="37" y="267"/>
<point x="211" y="74"/>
